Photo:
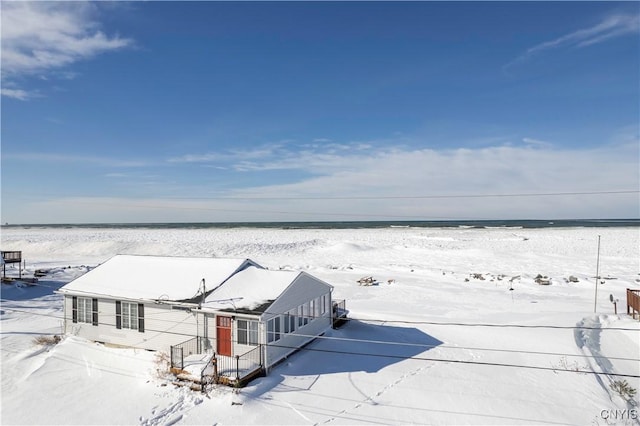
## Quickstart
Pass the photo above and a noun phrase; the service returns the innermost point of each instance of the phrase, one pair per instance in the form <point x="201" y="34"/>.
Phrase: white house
<point x="226" y="307"/>
<point x="281" y="310"/>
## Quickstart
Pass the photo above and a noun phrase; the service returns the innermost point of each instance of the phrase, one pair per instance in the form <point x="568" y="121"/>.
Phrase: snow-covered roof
<point x="154" y="277"/>
<point x="250" y="288"/>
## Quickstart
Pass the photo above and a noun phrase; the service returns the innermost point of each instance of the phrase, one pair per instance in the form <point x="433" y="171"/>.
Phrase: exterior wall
<point x="304" y="289"/>
<point x="163" y="326"/>
<point x="291" y="342"/>
<point x="240" y="349"/>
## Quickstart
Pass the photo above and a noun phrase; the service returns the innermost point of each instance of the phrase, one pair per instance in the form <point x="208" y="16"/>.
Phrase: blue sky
<point x="243" y="111"/>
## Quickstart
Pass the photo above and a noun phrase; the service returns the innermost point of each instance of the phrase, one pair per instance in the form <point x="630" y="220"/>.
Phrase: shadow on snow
<point x="356" y="347"/>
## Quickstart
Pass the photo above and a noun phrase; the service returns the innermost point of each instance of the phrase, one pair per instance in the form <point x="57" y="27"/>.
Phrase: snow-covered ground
<point x="407" y="356"/>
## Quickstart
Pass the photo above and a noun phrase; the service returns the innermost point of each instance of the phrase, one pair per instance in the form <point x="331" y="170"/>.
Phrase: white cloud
<point x="43" y="37"/>
<point x="19" y="94"/>
<point x="385" y="183"/>
<point x="537" y="142"/>
<point x="41" y="157"/>
<point x="611" y="27"/>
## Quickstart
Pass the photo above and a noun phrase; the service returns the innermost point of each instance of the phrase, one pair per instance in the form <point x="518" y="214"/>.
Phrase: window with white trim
<point x="247" y="332"/>
<point x="130" y="315"/>
<point x="300" y="316"/>
<point x="84" y="309"/>
<point x="273" y="329"/>
<point x="85" y="313"/>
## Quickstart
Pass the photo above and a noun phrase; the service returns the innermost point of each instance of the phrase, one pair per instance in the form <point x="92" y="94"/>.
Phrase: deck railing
<point x="12" y="256"/>
<point x="233" y="370"/>
<point x="338" y="313"/>
<point x="238" y="366"/>
<point x="633" y="302"/>
<point x="196" y="345"/>
<point x="184" y="349"/>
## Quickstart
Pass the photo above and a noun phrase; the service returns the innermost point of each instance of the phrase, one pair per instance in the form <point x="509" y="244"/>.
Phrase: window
<point x="325" y="304"/>
<point x="286" y="325"/>
<point x="306" y="313"/>
<point x="292" y="320"/>
<point x="316" y="307"/>
<point x="273" y="329"/>
<point x="84" y="309"/>
<point x="247" y="332"/>
<point x="300" y="316"/>
<point x="130" y="315"/>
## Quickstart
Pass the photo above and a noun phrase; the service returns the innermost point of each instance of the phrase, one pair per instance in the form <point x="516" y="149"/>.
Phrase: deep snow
<point x="404" y="358"/>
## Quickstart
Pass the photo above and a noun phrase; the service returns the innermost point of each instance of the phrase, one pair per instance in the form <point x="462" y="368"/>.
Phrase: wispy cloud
<point x="537" y="143"/>
<point x="19" y="94"/>
<point x="77" y="159"/>
<point x="41" y="38"/>
<point x="281" y="156"/>
<point x="379" y="183"/>
<point x="612" y="26"/>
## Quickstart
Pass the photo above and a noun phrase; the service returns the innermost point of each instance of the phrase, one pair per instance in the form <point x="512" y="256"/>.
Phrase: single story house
<point x="225" y="307"/>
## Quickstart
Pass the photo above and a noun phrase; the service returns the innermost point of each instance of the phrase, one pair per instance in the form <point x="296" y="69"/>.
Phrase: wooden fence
<point x="633" y="302"/>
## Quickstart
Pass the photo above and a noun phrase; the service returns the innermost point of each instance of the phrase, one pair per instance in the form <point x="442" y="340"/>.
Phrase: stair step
<point x="190" y="385"/>
<point x="188" y="377"/>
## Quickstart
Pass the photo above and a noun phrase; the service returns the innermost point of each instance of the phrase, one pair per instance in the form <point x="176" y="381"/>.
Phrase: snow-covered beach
<point x="456" y="330"/>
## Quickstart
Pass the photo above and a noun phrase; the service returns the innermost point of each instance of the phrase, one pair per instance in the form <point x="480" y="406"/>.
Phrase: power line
<point x="409" y="197"/>
<point x="418" y="358"/>
<point x="379" y="320"/>
<point x="457" y="361"/>
<point x="346" y="339"/>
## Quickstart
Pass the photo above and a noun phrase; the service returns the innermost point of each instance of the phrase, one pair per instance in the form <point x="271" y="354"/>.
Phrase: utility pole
<point x="595" y="301"/>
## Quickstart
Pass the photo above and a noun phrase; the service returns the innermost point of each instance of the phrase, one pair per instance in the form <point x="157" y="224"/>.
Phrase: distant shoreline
<point x="455" y="224"/>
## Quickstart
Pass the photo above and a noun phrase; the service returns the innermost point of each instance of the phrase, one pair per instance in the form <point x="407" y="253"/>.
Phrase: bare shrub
<point x="162" y="365"/>
<point x="47" y="340"/>
<point x="624" y="389"/>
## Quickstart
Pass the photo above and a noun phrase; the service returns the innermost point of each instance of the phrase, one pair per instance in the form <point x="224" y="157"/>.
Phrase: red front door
<point x="223" y="335"/>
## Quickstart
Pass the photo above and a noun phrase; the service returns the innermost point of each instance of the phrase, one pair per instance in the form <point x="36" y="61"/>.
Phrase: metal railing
<point x="184" y="349"/>
<point x="238" y="366"/>
<point x="229" y="369"/>
<point x="209" y="373"/>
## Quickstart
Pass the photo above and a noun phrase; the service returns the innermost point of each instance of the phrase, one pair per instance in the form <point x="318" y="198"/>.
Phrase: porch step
<point x="186" y="377"/>
<point x="193" y="386"/>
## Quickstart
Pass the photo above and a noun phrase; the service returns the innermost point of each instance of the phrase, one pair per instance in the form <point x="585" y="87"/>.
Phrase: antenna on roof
<point x="204" y="292"/>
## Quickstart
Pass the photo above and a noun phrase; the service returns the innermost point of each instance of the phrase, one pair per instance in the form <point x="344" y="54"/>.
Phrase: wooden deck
<point x="9" y="257"/>
<point x="633" y="302"/>
<point x="194" y="358"/>
<point x="12" y="256"/>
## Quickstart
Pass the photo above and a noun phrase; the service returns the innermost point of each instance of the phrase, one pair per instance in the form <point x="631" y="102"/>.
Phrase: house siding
<point x="291" y="342"/>
<point x="302" y="290"/>
<point x="163" y="326"/>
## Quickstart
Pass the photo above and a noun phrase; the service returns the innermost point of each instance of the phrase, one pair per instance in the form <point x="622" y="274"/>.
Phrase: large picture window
<point x="130" y="315"/>
<point x="247" y="332"/>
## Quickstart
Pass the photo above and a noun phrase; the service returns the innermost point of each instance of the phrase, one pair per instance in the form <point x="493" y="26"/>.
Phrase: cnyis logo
<point x="619" y="414"/>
